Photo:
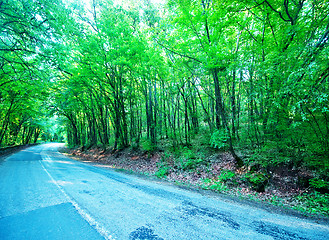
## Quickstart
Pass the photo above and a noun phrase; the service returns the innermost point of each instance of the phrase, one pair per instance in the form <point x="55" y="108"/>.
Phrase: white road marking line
<point x="92" y="222"/>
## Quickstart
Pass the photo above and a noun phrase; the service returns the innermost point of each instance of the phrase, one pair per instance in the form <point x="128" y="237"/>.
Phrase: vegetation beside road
<point x="217" y="171"/>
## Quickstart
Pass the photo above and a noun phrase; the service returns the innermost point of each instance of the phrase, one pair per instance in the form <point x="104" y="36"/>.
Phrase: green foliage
<point x="189" y="159"/>
<point x="134" y="144"/>
<point x="319" y="184"/>
<point x="148" y="146"/>
<point x="219" y="139"/>
<point x="313" y="202"/>
<point x="190" y="163"/>
<point x="215" y="185"/>
<point x="226" y="175"/>
<point x="188" y="153"/>
<point x="220" y="184"/>
<point x="163" y="171"/>
<point x="188" y="73"/>
<point x="319" y="163"/>
<point x="166" y="158"/>
<point x="275" y="200"/>
<point x="163" y="166"/>
<point x="28" y="33"/>
<point x="257" y="180"/>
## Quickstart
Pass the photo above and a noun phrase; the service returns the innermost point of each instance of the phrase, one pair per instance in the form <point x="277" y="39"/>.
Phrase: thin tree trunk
<point x="220" y="112"/>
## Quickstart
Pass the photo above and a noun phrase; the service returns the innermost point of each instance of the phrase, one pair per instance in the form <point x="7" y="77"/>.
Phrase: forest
<point x="248" y="77"/>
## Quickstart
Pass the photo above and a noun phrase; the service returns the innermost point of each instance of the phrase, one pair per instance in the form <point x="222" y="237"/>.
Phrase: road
<point x="45" y="195"/>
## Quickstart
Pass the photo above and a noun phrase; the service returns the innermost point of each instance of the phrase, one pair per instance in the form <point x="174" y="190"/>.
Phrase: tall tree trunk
<point x="36" y="135"/>
<point x="221" y="112"/>
<point x="6" y="122"/>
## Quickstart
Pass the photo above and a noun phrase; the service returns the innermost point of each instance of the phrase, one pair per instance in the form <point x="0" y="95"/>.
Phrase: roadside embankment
<point x="6" y="151"/>
<point x="216" y="172"/>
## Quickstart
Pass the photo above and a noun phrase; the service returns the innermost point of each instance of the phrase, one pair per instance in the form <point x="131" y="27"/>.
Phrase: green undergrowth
<point x="229" y="182"/>
<point x="221" y="183"/>
<point x="313" y="202"/>
<point x="195" y="158"/>
<point x="163" y="171"/>
<point x="310" y="203"/>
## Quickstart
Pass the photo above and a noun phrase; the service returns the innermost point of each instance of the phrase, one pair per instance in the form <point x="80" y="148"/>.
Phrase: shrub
<point x="188" y="153"/>
<point x="188" y="159"/>
<point x="148" y="146"/>
<point x="219" y="139"/>
<point x="191" y="163"/>
<point x="257" y="180"/>
<point x="320" y="185"/>
<point x="214" y="185"/>
<point x="162" y="172"/>
<point x="226" y="175"/>
<point x="219" y="183"/>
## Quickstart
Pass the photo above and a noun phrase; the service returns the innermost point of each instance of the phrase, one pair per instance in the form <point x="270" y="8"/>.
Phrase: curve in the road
<point x="45" y="195"/>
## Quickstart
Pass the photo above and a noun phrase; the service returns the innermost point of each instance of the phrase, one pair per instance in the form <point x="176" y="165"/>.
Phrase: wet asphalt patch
<point x="192" y="210"/>
<point x="275" y="231"/>
<point x="144" y="233"/>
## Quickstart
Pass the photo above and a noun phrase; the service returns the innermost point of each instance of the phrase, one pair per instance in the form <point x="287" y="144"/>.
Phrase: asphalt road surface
<point x="45" y="195"/>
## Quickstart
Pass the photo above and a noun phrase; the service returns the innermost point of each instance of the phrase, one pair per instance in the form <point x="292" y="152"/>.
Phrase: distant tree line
<point x="27" y="32"/>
